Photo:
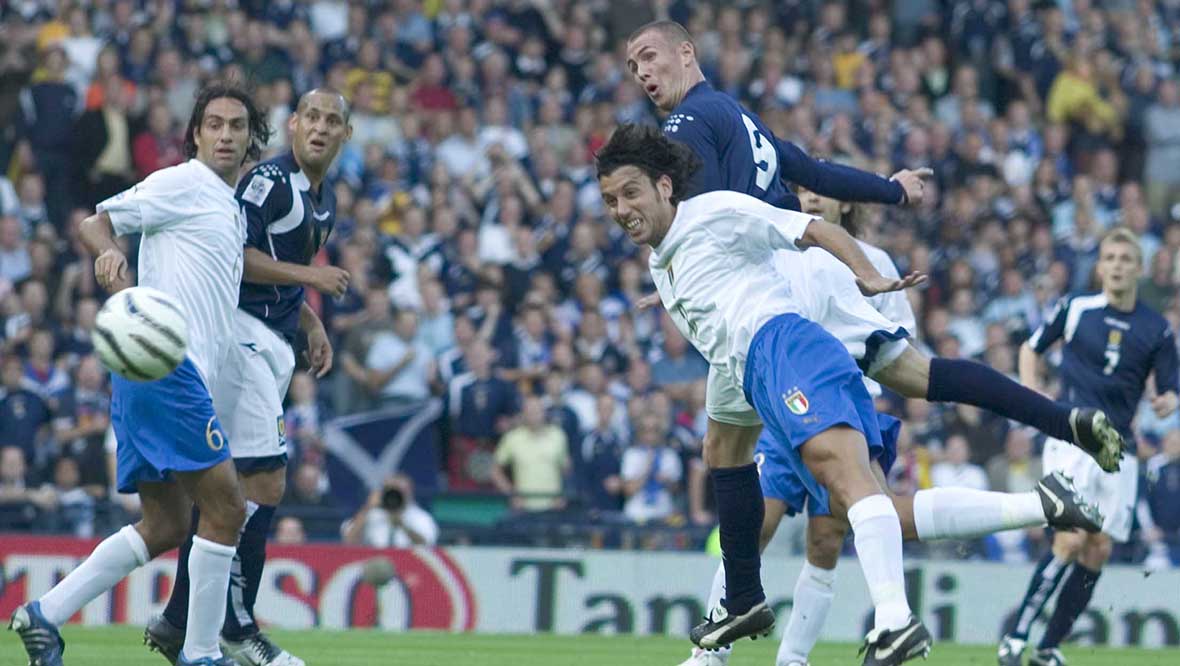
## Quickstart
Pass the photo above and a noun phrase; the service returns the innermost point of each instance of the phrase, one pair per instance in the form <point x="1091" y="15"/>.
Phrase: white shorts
<point x="248" y="395"/>
<point x="1114" y="493"/>
<point x="827" y="290"/>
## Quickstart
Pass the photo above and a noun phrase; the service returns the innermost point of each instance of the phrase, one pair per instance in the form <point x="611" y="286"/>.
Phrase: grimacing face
<point x="318" y="129"/>
<point x="641" y="208"/>
<point x="661" y="67"/>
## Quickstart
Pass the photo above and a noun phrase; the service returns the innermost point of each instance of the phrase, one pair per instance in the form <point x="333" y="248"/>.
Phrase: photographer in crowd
<point x="391" y="518"/>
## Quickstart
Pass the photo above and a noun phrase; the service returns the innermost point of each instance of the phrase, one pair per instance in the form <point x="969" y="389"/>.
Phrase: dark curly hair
<point x="646" y="148"/>
<point x="260" y="131"/>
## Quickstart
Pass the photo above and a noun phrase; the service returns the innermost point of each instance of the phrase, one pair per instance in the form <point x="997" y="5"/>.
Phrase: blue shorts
<point x="802" y="381"/>
<point x="779" y="481"/>
<point x="164" y="426"/>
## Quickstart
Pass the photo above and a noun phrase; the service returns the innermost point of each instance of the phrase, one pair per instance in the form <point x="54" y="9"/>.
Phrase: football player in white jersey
<point x="171" y="449"/>
<point x="826" y="286"/>
<point x="711" y="261"/>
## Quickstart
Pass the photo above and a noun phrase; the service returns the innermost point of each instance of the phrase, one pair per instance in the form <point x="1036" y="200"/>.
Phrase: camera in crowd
<point x="393" y="499"/>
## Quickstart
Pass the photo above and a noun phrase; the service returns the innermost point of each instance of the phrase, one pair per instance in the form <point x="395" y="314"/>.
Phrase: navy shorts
<point x="164" y="426"/>
<point x="802" y="381"/>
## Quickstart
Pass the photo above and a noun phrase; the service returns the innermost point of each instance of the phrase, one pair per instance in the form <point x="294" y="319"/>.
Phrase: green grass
<point x="122" y="646"/>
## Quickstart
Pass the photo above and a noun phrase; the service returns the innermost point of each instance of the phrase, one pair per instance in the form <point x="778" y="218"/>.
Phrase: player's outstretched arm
<point x="261" y="269"/>
<point x="110" y="267"/>
<point x="836" y="240"/>
<point x="839" y="181"/>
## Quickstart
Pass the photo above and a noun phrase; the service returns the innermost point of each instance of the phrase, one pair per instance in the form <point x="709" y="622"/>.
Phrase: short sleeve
<point x="505" y="449"/>
<point x="164" y="198"/>
<point x="262" y="202"/>
<point x="417" y="519"/>
<point x="634" y="464"/>
<point x="671" y="468"/>
<point x="754" y="225"/>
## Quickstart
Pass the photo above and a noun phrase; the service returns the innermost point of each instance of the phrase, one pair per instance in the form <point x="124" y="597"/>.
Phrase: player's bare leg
<point x="241" y="639"/>
<point x="915" y="375"/>
<point x="729" y="453"/>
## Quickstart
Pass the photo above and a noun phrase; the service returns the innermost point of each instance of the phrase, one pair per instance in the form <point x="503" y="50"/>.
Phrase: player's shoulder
<point x="183" y="176"/>
<point x="719" y="200"/>
<point x="1145" y="315"/>
<point x="703" y="107"/>
<point x="266" y="178"/>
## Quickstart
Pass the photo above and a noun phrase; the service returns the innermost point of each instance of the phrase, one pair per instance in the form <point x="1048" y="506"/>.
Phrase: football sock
<point x="1075" y="596"/>
<point x="246" y="573"/>
<point x="716" y="594"/>
<point x="176" y="612"/>
<point x="208" y="570"/>
<point x="110" y="562"/>
<point x="1045" y="580"/>
<point x="877" y="533"/>
<point x="809" y="611"/>
<point x="959" y="513"/>
<point x="971" y="383"/>
<point x="740" y="512"/>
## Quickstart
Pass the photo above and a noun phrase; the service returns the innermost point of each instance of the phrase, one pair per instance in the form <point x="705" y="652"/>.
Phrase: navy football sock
<point x="246" y="575"/>
<point x="971" y="383"/>
<point x="740" y="511"/>
<point x="1044" y="582"/>
<point x="1075" y="596"/>
<point x="176" y="612"/>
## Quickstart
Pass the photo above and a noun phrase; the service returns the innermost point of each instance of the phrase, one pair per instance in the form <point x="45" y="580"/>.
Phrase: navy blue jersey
<point x="1107" y="355"/>
<point x="739" y="153"/>
<point x="289" y="222"/>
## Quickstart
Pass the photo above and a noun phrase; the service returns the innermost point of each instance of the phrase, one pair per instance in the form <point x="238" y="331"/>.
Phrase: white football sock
<point x="208" y="572"/>
<point x="716" y="594"/>
<point x="809" y="611"/>
<point x="877" y="533"/>
<point x="110" y="562"/>
<point x="959" y="513"/>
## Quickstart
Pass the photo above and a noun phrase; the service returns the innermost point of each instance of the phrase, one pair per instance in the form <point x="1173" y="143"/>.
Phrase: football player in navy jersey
<point x="737" y="151"/>
<point x="1111" y="343"/>
<point x="289" y="216"/>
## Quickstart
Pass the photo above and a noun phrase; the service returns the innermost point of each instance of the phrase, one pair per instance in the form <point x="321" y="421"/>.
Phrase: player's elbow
<point x="94" y="230"/>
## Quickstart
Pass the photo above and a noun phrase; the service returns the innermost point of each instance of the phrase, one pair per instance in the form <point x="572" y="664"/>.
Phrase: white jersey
<point x="893" y="305"/>
<point x="716" y="277"/>
<point x="193" y="234"/>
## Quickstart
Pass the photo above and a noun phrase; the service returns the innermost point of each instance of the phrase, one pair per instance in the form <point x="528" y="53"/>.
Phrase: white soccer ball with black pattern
<point x="141" y="334"/>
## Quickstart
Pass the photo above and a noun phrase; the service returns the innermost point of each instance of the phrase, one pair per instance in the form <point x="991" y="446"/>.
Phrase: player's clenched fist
<point x="110" y="269"/>
<point x="331" y="280"/>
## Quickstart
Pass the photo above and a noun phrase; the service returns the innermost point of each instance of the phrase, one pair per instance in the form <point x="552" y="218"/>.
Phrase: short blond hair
<point x="1124" y="235"/>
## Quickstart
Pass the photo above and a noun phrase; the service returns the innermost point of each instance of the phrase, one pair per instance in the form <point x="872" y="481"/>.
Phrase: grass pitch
<point x="122" y="646"/>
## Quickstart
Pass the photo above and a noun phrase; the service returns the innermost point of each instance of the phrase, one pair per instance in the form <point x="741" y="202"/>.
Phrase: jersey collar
<point x="210" y="175"/>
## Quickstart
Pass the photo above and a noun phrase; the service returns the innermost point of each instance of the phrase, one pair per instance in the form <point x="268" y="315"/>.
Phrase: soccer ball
<point x="141" y="334"/>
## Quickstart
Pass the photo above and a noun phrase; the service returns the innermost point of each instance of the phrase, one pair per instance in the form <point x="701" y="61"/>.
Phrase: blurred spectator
<point x="289" y="531"/>
<point x="14" y="251"/>
<point x="679" y="366"/>
<point x="72" y="506"/>
<point x="398" y="367"/>
<point x="48" y="108"/>
<point x="103" y="147"/>
<point x="159" y="145"/>
<point x="1158" y="518"/>
<point x="308" y="489"/>
<point x="391" y="518"/>
<point x="1162" y="134"/>
<point x="17" y="510"/>
<point x="1015" y="471"/>
<point x="480" y="405"/>
<point x="23" y="414"/>
<point x="651" y="473"/>
<point x="302" y="420"/>
<point x="82" y="423"/>
<point x="601" y="459"/>
<point x="531" y="461"/>
<point x="956" y="471"/>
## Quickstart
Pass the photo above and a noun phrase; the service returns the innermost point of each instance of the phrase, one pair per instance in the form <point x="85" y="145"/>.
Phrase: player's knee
<point x="824" y="543"/>
<point x="221" y="520"/>
<point x="767" y="533"/>
<point x="266" y="487"/>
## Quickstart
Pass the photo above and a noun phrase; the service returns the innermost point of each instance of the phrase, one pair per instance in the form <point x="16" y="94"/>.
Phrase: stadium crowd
<point x="485" y="273"/>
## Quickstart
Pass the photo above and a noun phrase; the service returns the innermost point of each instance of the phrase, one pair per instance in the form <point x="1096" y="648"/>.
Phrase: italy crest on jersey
<point x="797" y="402"/>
